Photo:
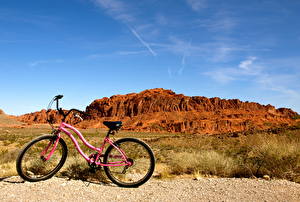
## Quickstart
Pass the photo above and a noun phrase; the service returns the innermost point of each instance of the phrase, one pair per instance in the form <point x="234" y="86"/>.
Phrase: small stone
<point x="266" y="177"/>
<point x="156" y="174"/>
<point x="197" y="178"/>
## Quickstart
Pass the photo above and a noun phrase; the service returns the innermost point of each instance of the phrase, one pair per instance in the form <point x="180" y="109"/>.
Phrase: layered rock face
<point x="40" y="117"/>
<point x="164" y="110"/>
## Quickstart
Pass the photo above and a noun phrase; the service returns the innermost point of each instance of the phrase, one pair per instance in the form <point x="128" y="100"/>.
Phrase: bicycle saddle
<point x="113" y="125"/>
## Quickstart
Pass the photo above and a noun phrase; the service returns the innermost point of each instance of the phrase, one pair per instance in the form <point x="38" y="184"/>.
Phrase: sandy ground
<point x="205" y="189"/>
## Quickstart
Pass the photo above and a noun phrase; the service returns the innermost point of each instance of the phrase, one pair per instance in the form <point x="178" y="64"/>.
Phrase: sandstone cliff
<point x="164" y="110"/>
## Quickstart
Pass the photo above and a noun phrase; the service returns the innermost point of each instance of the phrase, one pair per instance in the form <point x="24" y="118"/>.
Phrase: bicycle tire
<point x="136" y="150"/>
<point x="28" y="166"/>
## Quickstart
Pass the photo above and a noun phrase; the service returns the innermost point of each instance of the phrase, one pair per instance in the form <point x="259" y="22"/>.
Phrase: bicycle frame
<point x="63" y="128"/>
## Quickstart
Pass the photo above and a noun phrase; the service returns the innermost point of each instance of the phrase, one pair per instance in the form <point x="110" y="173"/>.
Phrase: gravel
<point x="204" y="189"/>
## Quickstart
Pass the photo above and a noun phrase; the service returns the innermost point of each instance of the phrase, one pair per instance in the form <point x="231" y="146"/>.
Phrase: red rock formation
<point x="41" y="117"/>
<point x="163" y="110"/>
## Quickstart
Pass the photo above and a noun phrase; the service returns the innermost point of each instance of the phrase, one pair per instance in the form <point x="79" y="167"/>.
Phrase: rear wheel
<point x="140" y="156"/>
<point x="32" y="164"/>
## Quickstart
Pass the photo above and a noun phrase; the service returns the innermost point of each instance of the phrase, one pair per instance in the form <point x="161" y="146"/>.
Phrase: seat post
<point x="110" y="132"/>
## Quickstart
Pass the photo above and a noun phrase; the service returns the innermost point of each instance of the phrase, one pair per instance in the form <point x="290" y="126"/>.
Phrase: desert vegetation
<point x="274" y="153"/>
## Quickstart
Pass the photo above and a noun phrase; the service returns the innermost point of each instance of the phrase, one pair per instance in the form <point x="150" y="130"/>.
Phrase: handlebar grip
<point x="77" y="110"/>
<point x="58" y="97"/>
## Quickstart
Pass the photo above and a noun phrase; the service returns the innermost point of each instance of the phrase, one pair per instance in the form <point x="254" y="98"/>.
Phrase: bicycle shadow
<point x="12" y="179"/>
<point x="88" y="178"/>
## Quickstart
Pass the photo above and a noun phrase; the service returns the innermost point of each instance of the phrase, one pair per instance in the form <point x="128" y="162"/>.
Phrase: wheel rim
<point x="140" y="158"/>
<point x="34" y="165"/>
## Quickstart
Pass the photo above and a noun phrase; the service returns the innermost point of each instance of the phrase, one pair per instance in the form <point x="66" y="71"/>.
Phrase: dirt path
<point x="207" y="189"/>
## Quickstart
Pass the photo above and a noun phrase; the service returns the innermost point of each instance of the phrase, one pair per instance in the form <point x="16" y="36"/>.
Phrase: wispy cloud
<point x="131" y="52"/>
<point x="221" y="21"/>
<point x="197" y="5"/>
<point x="40" y="62"/>
<point x="221" y="52"/>
<point x="246" y="64"/>
<point x="97" y="55"/>
<point x="263" y="77"/>
<point x="143" y="42"/>
<point x="118" y="53"/>
<point x="222" y="76"/>
<point x="161" y="19"/>
<point x="244" y="69"/>
<point x="183" y="59"/>
<point x="218" y="51"/>
<point x="221" y="24"/>
<point x="170" y="72"/>
<point x="116" y="9"/>
<point x="42" y="21"/>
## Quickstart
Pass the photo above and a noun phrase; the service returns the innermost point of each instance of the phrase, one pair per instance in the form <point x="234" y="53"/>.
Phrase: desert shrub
<point x="267" y="154"/>
<point x="205" y="162"/>
<point x="8" y="169"/>
<point x="8" y="155"/>
<point x="78" y="169"/>
<point x="276" y="154"/>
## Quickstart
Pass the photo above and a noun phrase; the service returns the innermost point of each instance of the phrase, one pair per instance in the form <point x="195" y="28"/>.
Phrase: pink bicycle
<point x="127" y="162"/>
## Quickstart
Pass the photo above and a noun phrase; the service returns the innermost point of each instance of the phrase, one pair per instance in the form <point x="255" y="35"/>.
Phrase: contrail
<point x="143" y="42"/>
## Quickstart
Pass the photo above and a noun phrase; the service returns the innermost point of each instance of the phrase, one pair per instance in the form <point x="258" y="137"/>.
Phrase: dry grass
<point x="205" y="162"/>
<point x="258" y="154"/>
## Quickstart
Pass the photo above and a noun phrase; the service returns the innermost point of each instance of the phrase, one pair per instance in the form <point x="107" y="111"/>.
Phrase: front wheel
<point x="138" y="154"/>
<point x="32" y="164"/>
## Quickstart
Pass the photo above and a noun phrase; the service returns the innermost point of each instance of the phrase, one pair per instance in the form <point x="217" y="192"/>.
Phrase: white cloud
<point x="262" y="77"/>
<point x="197" y="5"/>
<point x="221" y="52"/>
<point x="246" y="68"/>
<point x="246" y="64"/>
<point x="221" y="75"/>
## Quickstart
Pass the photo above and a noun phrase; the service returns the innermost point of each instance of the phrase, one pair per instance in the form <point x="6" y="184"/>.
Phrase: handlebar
<point x="61" y="111"/>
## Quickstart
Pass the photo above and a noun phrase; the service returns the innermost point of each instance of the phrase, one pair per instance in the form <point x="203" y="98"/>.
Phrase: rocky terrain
<point x="164" y="110"/>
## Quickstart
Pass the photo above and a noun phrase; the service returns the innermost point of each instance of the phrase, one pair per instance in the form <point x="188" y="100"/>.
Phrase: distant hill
<point x="7" y="120"/>
<point x="164" y="110"/>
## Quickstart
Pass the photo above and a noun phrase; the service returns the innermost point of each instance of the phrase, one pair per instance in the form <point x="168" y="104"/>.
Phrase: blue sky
<point x="88" y="49"/>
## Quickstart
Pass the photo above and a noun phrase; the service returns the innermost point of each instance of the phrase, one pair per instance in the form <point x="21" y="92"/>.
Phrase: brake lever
<point x="77" y="116"/>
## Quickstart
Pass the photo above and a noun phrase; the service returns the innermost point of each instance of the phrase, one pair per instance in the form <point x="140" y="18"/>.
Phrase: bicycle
<point x="127" y="162"/>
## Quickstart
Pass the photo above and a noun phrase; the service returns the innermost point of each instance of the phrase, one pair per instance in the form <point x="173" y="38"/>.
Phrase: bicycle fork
<point x="54" y="143"/>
